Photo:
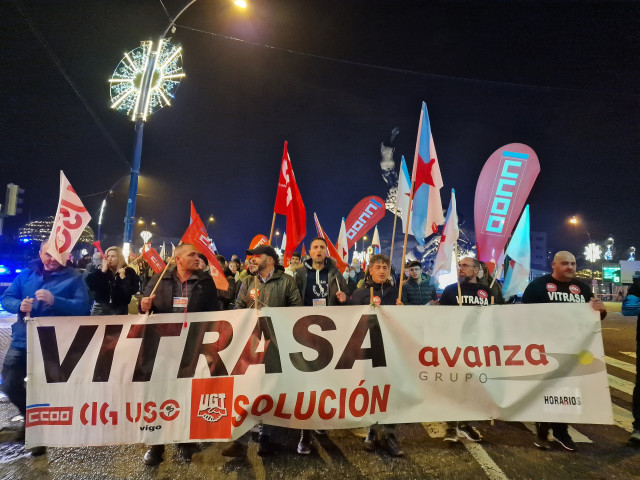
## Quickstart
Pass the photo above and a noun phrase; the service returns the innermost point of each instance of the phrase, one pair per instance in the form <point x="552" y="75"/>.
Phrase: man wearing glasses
<point x="418" y="290"/>
<point x="472" y="293"/>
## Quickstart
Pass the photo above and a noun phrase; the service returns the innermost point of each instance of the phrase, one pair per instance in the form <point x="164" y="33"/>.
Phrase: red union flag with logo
<point x="197" y="236"/>
<point x="71" y="218"/>
<point x="502" y="190"/>
<point x="153" y="259"/>
<point x="289" y="203"/>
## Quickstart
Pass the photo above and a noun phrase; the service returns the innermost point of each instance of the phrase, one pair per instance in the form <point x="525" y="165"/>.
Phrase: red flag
<point x="196" y="235"/>
<point x="71" y="219"/>
<point x="333" y="251"/>
<point x="289" y="203"/>
<point x="153" y="259"/>
<point x="304" y="251"/>
<point x="97" y="245"/>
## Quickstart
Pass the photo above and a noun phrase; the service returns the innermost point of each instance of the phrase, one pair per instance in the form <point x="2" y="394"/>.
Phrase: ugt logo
<point x="211" y="400"/>
<point x="212" y="407"/>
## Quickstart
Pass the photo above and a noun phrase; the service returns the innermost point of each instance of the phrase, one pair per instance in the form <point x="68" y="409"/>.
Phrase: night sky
<point x="333" y="78"/>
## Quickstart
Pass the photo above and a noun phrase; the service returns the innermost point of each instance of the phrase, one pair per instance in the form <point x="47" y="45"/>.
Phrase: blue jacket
<point x="66" y="285"/>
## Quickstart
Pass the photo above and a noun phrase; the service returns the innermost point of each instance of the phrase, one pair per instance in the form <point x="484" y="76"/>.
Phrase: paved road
<point x="506" y="452"/>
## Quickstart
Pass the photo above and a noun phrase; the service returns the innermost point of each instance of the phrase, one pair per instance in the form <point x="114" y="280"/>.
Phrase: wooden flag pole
<point x="406" y="233"/>
<point x="393" y="235"/>
<point x="455" y="253"/>
<point x="273" y="222"/>
<point x="495" y="277"/>
<point x="255" y="289"/>
<point x="161" y="275"/>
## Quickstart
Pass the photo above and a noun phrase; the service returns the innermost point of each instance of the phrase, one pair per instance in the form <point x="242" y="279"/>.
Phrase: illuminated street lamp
<point x="211" y="219"/>
<point x="144" y="81"/>
<point x="575" y="221"/>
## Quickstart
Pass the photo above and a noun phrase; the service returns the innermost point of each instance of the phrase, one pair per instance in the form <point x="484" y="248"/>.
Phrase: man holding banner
<point x="183" y="288"/>
<point x="45" y="289"/>
<point x="270" y="287"/>
<point x="320" y="284"/>
<point x="467" y="291"/>
<point x="560" y="287"/>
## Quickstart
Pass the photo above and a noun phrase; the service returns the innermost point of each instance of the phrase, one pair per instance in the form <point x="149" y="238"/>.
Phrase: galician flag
<point x="450" y="234"/>
<point x="71" y="218"/>
<point x="426" y="212"/>
<point x="375" y="242"/>
<point x="519" y="251"/>
<point x="342" y="246"/>
<point x="403" y="194"/>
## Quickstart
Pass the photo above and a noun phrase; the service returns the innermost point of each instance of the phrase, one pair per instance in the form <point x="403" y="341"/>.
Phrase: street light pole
<point x="143" y="82"/>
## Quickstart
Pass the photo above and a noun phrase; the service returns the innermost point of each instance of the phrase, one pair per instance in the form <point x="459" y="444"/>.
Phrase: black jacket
<point x="387" y="293"/>
<point x="414" y="293"/>
<point x="109" y="288"/>
<point x="334" y="276"/>
<point x="202" y="292"/>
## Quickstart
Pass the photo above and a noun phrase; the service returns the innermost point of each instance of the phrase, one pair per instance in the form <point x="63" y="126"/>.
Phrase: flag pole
<point x="406" y="233"/>
<point x="161" y="275"/>
<point x="393" y="235"/>
<point x="273" y="222"/>
<point x="455" y="253"/>
<point x="495" y="277"/>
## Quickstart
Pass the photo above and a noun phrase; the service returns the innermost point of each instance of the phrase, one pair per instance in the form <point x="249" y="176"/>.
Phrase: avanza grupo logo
<point x="211" y="400"/>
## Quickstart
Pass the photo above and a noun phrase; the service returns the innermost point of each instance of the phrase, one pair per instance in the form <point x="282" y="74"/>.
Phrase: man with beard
<point x="183" y="288"/>
<point x="472" y="293"/>
<point x="560" y="286"/>
<point x="270" y="287"/>
<point x="384" y="293"/>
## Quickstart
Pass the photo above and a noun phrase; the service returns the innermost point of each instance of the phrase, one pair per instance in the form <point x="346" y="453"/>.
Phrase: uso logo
<point x="483" y="295"/>
<point x="574" y="289"/>
<point x="552" y="287"/>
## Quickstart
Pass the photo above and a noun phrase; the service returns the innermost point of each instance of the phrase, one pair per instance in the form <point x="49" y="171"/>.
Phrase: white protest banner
<point x="129" y="379"/>
<point x="71" y="218"/>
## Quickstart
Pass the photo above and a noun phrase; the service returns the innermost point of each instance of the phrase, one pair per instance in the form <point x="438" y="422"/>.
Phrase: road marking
<point x="490" y="468"/>
<point x="629" y="354"/>
<point x="619" y="384"/>
<point x="575" y="434"/>
<point x="622" y="417"/>
<point x="620" y="364"/>
<point x="487" y="464"/>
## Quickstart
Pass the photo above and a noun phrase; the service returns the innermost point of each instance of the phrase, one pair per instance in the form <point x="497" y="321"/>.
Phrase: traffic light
<point x="13" y="199"/>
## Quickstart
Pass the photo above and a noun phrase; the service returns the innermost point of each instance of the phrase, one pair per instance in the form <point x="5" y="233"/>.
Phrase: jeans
<point x="14" y="371"/>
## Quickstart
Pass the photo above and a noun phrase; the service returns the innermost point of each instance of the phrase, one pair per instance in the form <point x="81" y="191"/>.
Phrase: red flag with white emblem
<point x="153" y="259"/>
<point x="71" y="218"/>
<point x="289" y="203"/>
<point x="197" y="236"/>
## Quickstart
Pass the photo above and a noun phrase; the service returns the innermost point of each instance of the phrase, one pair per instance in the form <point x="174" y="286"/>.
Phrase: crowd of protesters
<point x="106" y="285"/>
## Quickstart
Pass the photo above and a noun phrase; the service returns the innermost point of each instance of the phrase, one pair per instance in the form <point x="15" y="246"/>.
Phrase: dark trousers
<point x="636" y="389"/>
<point x="13" y="372"/>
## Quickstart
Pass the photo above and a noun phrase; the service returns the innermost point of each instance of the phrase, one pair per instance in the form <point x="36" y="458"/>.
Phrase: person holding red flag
<point x="289" y="203"/>
<point x="182" y="288"/>
<point x="197" y="236"/>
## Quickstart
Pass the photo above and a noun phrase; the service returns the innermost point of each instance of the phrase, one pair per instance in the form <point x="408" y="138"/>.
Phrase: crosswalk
<point x="622" y="418"/>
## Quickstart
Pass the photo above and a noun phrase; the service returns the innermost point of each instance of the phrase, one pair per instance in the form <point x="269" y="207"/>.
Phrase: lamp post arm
<point x="173" y="21"/>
